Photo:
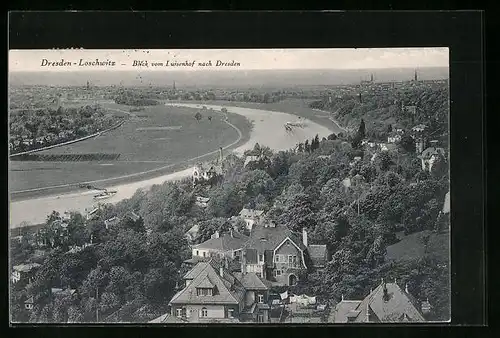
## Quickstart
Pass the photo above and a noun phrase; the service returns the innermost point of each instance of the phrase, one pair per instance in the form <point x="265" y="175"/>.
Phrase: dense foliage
<point x="35" y="128"/>
<point x="130" y="269"/>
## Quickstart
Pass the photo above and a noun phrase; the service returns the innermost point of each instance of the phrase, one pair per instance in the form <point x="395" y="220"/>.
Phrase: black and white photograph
<point x="229" y="186"/>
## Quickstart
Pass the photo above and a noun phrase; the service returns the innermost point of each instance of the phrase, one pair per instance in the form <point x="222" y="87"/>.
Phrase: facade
<point x="24" y="272"/>
<point x="275" y="253"/>
<point x="386" y="303"/>
<point x="212" y="294"/>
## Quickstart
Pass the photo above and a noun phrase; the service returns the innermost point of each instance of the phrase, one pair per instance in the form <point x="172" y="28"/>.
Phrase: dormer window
<point x="204" y="291"/>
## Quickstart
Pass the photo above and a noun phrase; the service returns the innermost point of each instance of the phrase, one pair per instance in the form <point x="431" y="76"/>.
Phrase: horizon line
<point x="214" y="70"/>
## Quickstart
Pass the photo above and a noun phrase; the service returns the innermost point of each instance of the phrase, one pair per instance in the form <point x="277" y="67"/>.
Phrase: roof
<point x="446" y="206"/>
<point x="251" y="281"/>
<point x="26" y="267"/>
<point x="432" y="151"/>
<point x="318" y="254"/>
<point x="226" y="242"/>
<point x="30" y="300"/>
<point x="229" y="289"/>
<point x="399" y="306"/>
<point x="268" y="238"/>
<point x="250" y="213"/>
<point x="193" y="231"/>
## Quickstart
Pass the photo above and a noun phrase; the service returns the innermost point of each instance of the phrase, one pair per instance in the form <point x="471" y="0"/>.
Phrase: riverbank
<point x="268" y="129"/>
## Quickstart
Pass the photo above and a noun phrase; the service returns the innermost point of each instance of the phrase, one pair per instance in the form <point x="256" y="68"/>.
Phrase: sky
<point x="248" y="59"/>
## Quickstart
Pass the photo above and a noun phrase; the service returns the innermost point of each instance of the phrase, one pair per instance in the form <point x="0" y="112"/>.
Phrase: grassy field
<point x="157" y="137"/>
<point x="413" y="246"/>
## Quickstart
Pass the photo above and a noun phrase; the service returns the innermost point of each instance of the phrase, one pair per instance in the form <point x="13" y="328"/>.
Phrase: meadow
<point x="159" y="136"/>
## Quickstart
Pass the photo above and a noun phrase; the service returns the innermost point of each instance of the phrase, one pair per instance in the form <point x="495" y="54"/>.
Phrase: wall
<point x="250" y="298"/>
<point x="213" y="311"/>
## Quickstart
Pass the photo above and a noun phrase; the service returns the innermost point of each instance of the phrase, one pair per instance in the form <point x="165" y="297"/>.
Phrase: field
<point x="159" y="136"/>
<point x="413" y="246"/>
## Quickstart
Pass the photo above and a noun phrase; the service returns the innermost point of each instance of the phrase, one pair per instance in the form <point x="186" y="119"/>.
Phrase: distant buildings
<point x="24" y="272"/>
<point x="429" y="157"/>
<point x="228" y="244"/>
<point x="386" y="303"/>
<point x="203" y="173"/>
<point x="251" y="217"/>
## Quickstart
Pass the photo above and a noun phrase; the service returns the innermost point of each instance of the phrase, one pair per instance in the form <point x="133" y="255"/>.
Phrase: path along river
<point x="268" y="129"/>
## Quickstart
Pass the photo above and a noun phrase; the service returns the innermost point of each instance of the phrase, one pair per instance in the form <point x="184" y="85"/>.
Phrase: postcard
<point x="253" y="186"/>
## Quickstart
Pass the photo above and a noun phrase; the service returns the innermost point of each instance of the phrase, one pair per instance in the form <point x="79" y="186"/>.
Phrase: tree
<point x="332" y="136"/>
<point x="361" y="130"/>
<point x="389" y="128"/>
<point x="307" y="147"/>
<point x="198" y="116"/>
<point x="407" y="143"/>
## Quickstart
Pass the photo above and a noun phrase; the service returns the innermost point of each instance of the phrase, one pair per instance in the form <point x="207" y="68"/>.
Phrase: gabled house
<point x="229" y="245"/>
<point x="211" y="294"/>
<point x="275" y="253"/>
<point x="386" y="303"/>
<point x="251" y="217"/>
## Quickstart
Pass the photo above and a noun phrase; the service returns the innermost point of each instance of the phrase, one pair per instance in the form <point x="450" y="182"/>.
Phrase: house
<point x="29" y="303"/>
<point x="256" y="308"/>
<point x="211" y="294"/>
<point x="251" y="217"/>
<point x="388" y="146"/>
<point x="192" y="234"/>
<point x="24" y="272"/>
<point x="275" y="253"/>
<point x="394" y="138"/>
<point x="429" y="157"/>
<point x="251" y="159"/>
<point x="386" y="303"/>
<point x="229" y="244"/>
<point x="205" y="172"/>
<point x="202" y="202"/>
<point x="111" y="222"/>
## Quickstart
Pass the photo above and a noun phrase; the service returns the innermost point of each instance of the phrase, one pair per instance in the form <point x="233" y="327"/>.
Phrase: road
<point x="268" y="129"/>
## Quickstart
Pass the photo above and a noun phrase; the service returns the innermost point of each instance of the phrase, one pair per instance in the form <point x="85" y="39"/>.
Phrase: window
<point x="261" y="258"/>
<point x="277" y="258"/>
<point x="204" y="312"/>
<point x="230" y="313"/>
<point x="204" y="254"/>
<point x="292" y="261"/>
<point x="179" y="312"/>
<point x="261" y="298"/>
<point x="197" y="253"/>
<point x="278" y="272"/>
<point x="204" y="292"/>
<point x="260" y="318"/>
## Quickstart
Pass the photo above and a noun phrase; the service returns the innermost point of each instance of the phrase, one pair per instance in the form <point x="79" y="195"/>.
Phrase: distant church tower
<point x="173" y="86"/>
<point x="88" y="85"/>
<point x="371" y="78"/>
<point x="416" y="76"/>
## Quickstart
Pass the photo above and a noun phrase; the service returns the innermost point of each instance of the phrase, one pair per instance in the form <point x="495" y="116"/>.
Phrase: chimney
<point x="231" y="232"/>
<point x="220" y="155"/>
<point x="342" y="297"/>
<point x="216" y="235"/>
<point x="406" y="288"/>
<point x="221" y="271"/>
<point x="304" y="236"/>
